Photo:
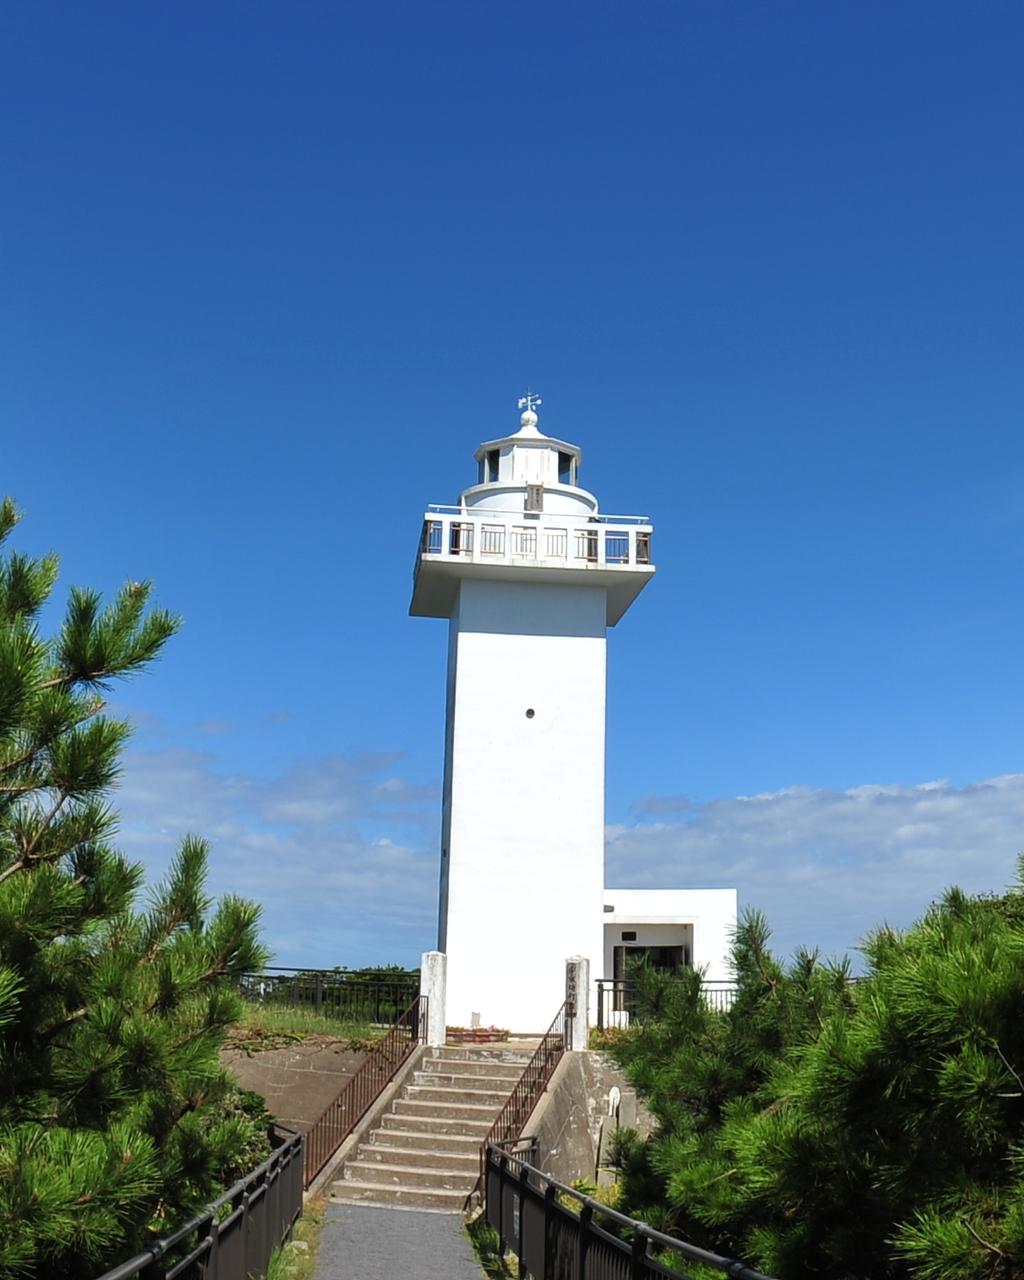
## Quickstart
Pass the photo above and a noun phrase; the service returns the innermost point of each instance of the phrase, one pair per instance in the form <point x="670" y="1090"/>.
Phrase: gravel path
<point x="360" y="1242"/>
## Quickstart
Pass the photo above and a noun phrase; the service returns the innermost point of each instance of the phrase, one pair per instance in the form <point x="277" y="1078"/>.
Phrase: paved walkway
<point x="360" y="1242"/>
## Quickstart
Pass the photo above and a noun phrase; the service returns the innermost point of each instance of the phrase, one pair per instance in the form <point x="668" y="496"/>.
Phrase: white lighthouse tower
<point x="530" y="575"/>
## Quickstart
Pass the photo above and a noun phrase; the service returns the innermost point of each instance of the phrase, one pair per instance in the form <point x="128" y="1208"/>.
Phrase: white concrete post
<point x="433" y="975"/>
<point x="577" y="991"/>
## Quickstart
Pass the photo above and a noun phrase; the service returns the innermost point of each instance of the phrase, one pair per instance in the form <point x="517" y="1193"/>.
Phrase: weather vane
<point x="529" y="402"/>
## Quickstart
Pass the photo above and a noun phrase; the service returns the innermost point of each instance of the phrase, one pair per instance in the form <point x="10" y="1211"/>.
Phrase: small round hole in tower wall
<point x="530" y="713"/>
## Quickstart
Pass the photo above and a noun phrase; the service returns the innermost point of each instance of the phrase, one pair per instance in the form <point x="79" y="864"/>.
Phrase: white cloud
<point x="317" y="847"/>
<point x="827" y="866"/>
<point x="215" y="727"/>
<point x="342" y="851"/>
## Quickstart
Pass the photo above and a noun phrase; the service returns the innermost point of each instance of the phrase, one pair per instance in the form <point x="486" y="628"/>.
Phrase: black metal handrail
<point x="377" y="1070"/>
<point x="533" y="1220"/>
<point x="528" y="1088"/>
<point x="232" y="1245"/>
<point x="616" y="995"/>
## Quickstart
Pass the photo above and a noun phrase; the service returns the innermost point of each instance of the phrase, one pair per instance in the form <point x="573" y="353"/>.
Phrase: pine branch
<point x="46" y="743"/>
<point x="47" y="1033"/>
<point x="1006" y="1063"/>
<point x="985" y="1244"/>
<point x="9" y="517"/>
<point x="26" y="860"/>
<point x="59" y="803"/>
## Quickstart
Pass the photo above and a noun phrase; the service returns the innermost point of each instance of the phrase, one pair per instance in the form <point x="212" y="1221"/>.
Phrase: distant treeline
<point x="370" y="973"/>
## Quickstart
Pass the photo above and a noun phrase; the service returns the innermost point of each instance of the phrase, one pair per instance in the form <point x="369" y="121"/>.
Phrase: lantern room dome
<point x="529" y="471"/>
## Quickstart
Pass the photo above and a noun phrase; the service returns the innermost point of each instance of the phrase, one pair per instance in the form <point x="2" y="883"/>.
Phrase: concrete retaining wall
<point x="572" y="1123"/>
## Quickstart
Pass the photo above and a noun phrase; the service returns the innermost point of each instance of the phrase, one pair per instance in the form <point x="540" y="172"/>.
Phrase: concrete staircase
<point x="426" y="1153"/>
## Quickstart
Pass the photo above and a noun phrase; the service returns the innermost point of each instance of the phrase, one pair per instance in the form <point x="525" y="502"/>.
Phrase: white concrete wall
<point x="559" y="500"/>
<point x="711" y="913"/>
<point x="446" y="797"/>
<point x="524" y="799"/>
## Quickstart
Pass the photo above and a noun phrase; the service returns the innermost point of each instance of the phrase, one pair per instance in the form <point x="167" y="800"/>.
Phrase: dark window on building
<point x="566" y="468"/>
<point x="492" y="466"/>
<point x="670" y="959"/>
<point x="629" y="935"/>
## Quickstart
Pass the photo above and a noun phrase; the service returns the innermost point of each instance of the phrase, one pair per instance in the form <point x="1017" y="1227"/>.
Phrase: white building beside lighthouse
<point x="531" y="575"/>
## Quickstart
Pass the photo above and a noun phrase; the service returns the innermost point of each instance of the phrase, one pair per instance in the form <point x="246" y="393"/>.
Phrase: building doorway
<point x="669" y="959"/>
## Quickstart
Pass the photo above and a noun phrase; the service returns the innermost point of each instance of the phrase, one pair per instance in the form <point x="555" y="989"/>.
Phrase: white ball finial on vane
<point x="528" y="421"/>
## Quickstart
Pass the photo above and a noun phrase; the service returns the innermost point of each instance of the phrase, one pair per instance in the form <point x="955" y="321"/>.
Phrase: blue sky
<point x="269" y="273"/>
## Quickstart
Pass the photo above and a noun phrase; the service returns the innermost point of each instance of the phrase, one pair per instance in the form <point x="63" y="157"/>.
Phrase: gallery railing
<point x="555" y="1230"/>
<point x="490" y="536"/>
<point x="360" y="1093"/>
<point x="234" y="1237"/>
<point x="617" y="1000"/>
<point x="363" y="997"/>
<point x="527" y="1091"/>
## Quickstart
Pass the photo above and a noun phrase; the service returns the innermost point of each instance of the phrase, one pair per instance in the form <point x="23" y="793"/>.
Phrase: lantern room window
<point x="566" y="468"/>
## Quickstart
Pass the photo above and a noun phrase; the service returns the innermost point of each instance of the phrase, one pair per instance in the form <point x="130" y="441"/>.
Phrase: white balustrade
<point x="613" y="541"/>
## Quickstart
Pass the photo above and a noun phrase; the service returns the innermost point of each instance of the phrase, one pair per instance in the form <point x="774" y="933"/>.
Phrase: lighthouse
<point x="530" y="575"/>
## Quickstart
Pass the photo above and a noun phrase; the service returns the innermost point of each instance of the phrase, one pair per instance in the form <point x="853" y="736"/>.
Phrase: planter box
<point x="475" y="1035"/>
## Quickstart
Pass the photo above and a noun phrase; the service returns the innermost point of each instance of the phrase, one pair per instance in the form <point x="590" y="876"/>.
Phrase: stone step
<point x="510" y="1071"/>
<point x="495" y="1099"/>
<point x="480" y="1053"/>
<point x="425" y="1152"/>
<point x="352" y="1192"/>
<point x="464" y="1080"/>
<point x="420" y="1157"/>
<point x="401" y="1175"/>
<point x="445" y="1110"/>
<point x="426" y="1139"/>
<point x="430" y="1124"/>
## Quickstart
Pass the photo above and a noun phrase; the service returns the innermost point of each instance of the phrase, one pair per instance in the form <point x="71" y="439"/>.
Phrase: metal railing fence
<point x="617" y="997"/>
<point x="233" y="1238"/>
<point x="348" y="997"/>
<point x="377" y="1070"/>
<point x="526" y="1092"/>
<point x="556" y="1231"/>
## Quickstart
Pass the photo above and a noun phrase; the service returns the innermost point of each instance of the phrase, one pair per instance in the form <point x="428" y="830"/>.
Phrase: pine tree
<point x="116" y="1121"/>
<point x="857" y="1132"/>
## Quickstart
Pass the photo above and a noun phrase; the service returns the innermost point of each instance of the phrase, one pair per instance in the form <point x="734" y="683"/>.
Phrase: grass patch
<point x="296" y="1258"/>
<point x="263" y="1027"/>
<point x="487" y="1247"/>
